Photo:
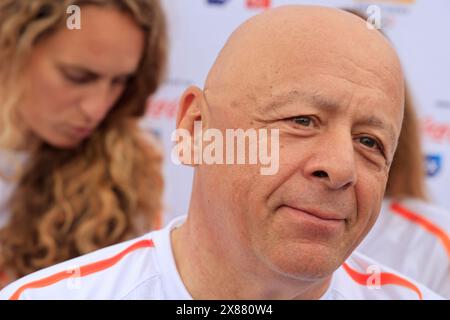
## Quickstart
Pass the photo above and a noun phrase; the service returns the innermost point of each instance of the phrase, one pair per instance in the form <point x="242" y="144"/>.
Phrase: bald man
<point x="333" y="91"/>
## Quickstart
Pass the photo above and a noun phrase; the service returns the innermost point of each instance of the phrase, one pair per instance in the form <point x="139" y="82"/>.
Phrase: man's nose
<point x="97" y="103"/>
<point x="333" y="162"/>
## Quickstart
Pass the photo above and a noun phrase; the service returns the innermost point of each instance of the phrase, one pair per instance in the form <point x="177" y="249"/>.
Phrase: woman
<point x="70" y="101"/>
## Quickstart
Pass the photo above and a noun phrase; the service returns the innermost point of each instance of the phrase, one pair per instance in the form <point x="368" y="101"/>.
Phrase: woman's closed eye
<point x="79" y="77"/>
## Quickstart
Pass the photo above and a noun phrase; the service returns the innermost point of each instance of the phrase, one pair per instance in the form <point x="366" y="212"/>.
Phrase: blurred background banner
<point x="419" y="29"/>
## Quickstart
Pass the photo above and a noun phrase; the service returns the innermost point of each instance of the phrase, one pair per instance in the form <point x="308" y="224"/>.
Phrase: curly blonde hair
<point x="109" y="188"/>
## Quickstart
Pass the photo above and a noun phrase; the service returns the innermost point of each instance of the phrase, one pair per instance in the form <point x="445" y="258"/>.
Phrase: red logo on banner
<point x="436" y="131"/>
<point x="162" y="108"/>
<point x="257" y="4"/>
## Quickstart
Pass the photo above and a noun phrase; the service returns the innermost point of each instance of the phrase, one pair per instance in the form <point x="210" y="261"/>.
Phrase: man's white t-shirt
<point x="412" y="236"/>
<point x="144" y="268"/>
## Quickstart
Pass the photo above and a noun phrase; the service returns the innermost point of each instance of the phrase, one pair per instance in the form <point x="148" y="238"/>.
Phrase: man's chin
<point x="305" y="261"/>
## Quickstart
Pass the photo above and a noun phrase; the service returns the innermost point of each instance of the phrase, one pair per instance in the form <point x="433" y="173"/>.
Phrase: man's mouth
<point x="322" y="221"/>
<point x="317" y="213"/>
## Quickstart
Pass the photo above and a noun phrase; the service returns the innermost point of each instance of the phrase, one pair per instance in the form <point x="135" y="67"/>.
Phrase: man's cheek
<point x="369" y="197"/>
<point x="371" y="210"/>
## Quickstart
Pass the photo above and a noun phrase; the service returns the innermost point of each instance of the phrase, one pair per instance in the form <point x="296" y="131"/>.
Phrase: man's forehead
<point x="330" y="97"/>
<point x="326" y="90"/>
<point x="296" y="39"/>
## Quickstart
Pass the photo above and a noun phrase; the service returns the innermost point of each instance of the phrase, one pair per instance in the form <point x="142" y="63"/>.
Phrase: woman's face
<point x="74" y="77"/>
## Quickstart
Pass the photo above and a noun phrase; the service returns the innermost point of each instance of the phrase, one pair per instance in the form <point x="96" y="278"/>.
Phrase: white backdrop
<point x="420" y="30"/>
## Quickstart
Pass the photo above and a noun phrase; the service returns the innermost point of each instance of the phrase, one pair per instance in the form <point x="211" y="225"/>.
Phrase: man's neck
<point x="213" y="269"/>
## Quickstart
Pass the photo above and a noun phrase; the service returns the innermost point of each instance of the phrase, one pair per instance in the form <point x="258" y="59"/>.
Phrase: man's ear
<point x="189" y="112"/>
<point x="189" y="109"/>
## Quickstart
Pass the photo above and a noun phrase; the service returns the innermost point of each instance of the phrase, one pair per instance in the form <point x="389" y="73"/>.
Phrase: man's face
<point x="339" y="120"/>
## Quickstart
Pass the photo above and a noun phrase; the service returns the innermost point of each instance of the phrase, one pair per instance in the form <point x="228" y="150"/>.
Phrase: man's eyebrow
<point x="314" y="98"/>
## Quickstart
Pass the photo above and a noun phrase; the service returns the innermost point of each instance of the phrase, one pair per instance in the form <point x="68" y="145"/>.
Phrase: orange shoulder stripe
<point x="84" y="270"/>
<point x="385" y="279"/>
<point x="424" y="223"/>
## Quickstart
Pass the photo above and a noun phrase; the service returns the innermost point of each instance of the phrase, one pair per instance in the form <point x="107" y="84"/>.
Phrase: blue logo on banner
<point x="217" y="1"/>
<point x="433" y="164"/>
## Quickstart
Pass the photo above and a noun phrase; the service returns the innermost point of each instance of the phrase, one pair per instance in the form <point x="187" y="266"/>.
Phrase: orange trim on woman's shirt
<point x="385" y="279"/>
<point x="84" y="270"/>
<point x="424" y="223"/>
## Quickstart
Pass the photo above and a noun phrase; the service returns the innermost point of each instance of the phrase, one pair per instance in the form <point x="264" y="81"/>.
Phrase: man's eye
<point x="370" y="142"/>
<point x="303" y="121"/>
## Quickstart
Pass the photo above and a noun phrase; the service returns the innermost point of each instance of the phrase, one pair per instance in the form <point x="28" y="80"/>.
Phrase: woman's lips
<point x="81" y="132"/>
